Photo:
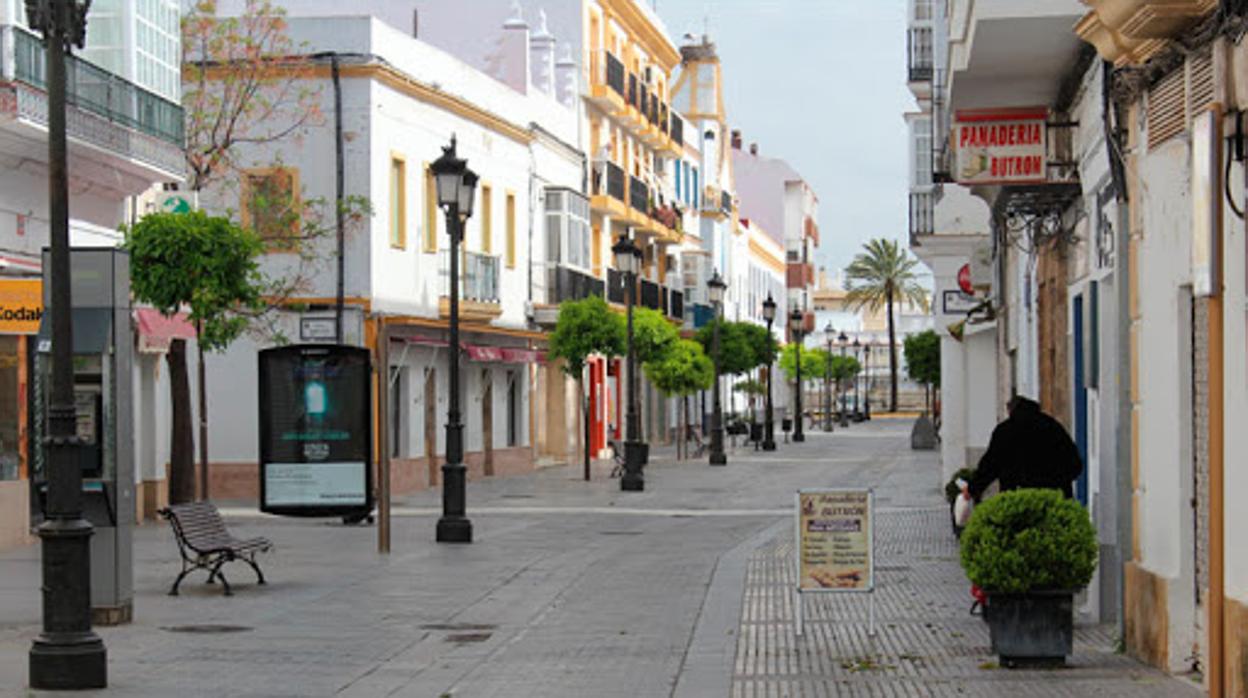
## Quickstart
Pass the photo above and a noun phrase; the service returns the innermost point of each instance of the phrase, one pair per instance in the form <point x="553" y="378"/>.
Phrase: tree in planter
<point x="683" y="370"/>
<point x="209" y="266"/>
<point x="922" y="353"/>
<point x="743" y="346"/>
<point x="844" y="369"/>
<point x="584" y="328"/>
<point x="1030" y="550"/>
<point x="653" y="337"/>
<point x="814" y="366"/>
<point x="879" y="278"/>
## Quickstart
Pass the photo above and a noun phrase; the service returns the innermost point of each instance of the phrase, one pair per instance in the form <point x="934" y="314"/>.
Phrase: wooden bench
<point x="205" y="544"/>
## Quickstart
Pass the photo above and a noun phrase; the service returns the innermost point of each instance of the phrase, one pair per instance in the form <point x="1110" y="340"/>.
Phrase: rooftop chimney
<point x="542" y="56"/>
<point x="736" y="139"/>
<point x="510" y="60"/>
<point x="753" y="149"/>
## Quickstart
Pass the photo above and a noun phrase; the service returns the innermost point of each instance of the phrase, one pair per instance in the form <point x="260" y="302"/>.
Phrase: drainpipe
<point x="1217" y="445"/>
<point x="338" y="196"/>
<point x="1112" y="118"/>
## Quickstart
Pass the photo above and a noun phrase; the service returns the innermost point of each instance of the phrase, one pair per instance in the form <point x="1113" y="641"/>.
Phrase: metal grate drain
<point x="457" y="627"/>
<point x="207" y="628"/>
<point x="621" y="533"/>
<point x="463" y="638"/>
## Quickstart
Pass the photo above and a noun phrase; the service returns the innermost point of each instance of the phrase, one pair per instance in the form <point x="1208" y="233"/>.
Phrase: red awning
<point x="520" y="356"/>
<point x="156" y="331"/>
<point x="507" y="355"/>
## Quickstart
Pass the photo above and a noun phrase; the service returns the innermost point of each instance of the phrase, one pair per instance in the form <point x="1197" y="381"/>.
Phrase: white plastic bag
<point x="962" y="506"/>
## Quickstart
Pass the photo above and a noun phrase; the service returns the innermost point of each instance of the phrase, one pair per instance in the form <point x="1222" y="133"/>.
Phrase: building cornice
<point x="1130" y="32"/>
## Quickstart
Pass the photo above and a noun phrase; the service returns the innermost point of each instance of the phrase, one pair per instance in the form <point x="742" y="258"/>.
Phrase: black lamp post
<point x="457" y="185"/>
<point x="67" y="654"/>
<point x="715" y="290"/>
<point x="857" y="380"/>
<point x="829" y="334"/>
<point x="844" y="340"/>
<point x="866" y="380"/>
<point x="769" y="426"/>
<point x="796" y="319"/>
<point x="628" y="260"/>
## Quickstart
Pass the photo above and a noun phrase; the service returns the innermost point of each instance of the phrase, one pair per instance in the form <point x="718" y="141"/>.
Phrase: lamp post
<point x="857" y="379"/>
<point x="628" y="260"/>
<point x="67" y="654"/>
<point x="844" y="340"/>
<point x="796" y="319"/>
<point x="866" y="376"/>
<point x="715" y="290"/>
<point x="769" y="427"/>
<point x="829" y="333"/>
<point x="456" y="186"/>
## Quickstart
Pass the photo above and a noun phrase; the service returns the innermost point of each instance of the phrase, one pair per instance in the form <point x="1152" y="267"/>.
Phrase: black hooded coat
<point x="1029" y="449"/>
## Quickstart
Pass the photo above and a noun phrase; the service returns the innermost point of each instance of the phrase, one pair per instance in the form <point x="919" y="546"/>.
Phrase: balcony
<point x="556" y="283"/>
<point x="919" y="54"/>
<point x="478" y="286"/>
<point x="609" y="190"/>
<point x="676" y="305"/>
<point x="615" y="74"/>
<point x="651" y="295"/>
<point x="678" y="129"/>
<point x="799" y="275"/>
<point x="151" y="133"/>
<point x="638" y="195"/>
<point x="922" y="212"/>
<point x="615" y="286"/>
<point x="725" y="202"/>
<point x="1129" y="32"/>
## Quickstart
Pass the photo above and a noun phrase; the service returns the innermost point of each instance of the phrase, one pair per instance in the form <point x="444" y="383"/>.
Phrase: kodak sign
<point x="21" y="305"/>
<point x="1005" y="146"/>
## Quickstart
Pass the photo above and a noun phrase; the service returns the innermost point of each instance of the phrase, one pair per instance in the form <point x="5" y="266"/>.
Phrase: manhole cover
<point x="207" y="628"/>
<point x="620" y="533"/>
<point x="456" y="626"/>
<point x="468" y="637"/>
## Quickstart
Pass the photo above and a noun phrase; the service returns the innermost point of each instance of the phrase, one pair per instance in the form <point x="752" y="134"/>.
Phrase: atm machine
<point x="104" y="402"/>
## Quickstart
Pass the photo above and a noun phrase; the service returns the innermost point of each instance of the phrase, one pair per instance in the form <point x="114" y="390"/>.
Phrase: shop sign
<point x="1001" y="146"/>
<point x="835" y="546"/>
<point x="21" y="305"/>
<point x="957" y="302"/>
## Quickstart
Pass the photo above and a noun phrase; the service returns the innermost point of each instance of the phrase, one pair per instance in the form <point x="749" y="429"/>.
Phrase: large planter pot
<point x="1032" y="629"/>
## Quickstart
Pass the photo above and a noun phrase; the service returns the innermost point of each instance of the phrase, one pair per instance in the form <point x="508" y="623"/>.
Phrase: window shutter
<point x="1175" y="99"/>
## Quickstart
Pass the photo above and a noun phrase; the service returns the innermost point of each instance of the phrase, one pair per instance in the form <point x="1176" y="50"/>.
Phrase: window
<point x="687" y="197"/>
<point x="696" y="191"/>
<point x="487" y="218"/>
<point x="431" y="211"/>
<point x="398" y="202"/>
<point x="398" y="390"/>
<point x="922" y="9"/>
<point x="270" y="206"/>
<point x="922" y="154"/>
<point x="678" y="167"/>
<point x="567" y="227"/>
<point x="511" y="230"/>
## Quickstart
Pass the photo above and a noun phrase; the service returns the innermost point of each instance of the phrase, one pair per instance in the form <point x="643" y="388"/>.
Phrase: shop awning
<point x="505" y="355"/>
<point x="157" y="331"/>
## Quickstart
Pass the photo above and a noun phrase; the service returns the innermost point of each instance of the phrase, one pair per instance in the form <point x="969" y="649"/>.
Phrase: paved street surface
<point x="575" y="589"/>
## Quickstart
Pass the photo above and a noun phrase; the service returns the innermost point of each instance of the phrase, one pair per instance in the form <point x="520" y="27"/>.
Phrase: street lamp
<point x="715" y="290"/>
<point x="796" y="319"/>
<point x="628" y="261"/>
<point x="866" y="380"/>
<point x="769" y="427"/>
<point x="456" y="186"/>
<point x="857" y="379"/>
<point x="829" y="334"/>
<point x="844" y="340"/>
<point x="67" y="654"/>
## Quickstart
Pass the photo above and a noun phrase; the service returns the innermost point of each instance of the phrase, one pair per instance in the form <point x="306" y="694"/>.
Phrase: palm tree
<point x="880" y="276"/>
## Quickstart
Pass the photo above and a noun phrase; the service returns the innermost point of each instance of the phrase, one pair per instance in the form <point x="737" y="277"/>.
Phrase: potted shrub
<point x="951" y="494"/>
<point x="1030" y="551"/>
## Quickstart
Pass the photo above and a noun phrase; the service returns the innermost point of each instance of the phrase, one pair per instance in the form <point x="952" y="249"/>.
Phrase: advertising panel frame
<point x="869" y="588"/>
<point x="364" y="357"/>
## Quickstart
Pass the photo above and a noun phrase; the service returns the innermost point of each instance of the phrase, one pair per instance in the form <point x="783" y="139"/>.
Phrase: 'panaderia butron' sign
<point x="1003" y="146"/>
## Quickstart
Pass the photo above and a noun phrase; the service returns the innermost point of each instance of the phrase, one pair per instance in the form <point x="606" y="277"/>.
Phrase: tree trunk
<point x="892" y="355"/>
<point x="181" y="441"/>
<point x="203" y="417"/>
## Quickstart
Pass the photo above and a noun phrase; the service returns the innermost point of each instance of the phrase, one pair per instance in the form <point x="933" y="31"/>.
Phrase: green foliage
<point x="923" y="357"/>
<point x="204" y="263"/>
<point x="1029" y="540"/>
<point x="653" y="335"/>
<point x="586" y="327"/>
<point x="844" y="368"/>
<point x="951" y="487"/>
<point x="749" y="386"/>
<point x="814" y="363"/>
<point x="741" y="347"/>
<point x="684" y="369"/>
<point x="882" y="274"/>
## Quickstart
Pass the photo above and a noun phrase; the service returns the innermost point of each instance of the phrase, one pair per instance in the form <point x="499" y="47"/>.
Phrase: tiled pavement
<point x="574" y="589"/>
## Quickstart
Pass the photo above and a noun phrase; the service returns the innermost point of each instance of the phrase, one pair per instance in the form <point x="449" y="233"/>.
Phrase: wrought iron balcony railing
<point x="678" y="129"/>
<point x="478" y="276"/>
<point x="638" y="195"/>
<point x="93" y="89"/>
<point x="922" y="213"/>
<point x="615" y="74"/>
<point x="919" y="54"/>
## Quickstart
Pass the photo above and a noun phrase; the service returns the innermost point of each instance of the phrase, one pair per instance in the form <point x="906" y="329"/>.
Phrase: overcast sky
<point x="821" y="84"/>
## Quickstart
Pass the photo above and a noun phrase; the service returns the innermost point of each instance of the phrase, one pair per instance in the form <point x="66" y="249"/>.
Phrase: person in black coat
<point x="1028" y="449"/>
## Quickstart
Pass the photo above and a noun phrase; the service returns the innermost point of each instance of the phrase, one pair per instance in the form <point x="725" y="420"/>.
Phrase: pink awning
<point x="156" y="331"/>
<point x="476" y="352"/>
<point x="520" y="356"/>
